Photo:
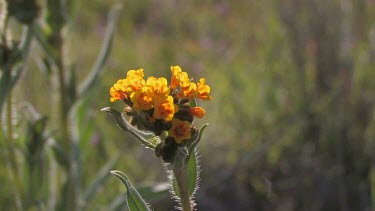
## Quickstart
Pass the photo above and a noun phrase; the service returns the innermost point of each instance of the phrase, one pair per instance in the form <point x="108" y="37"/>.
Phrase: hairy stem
<point x="182" y="183"/>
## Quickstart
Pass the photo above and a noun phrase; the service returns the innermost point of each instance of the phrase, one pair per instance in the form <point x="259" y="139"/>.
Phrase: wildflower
<point x="137" y="73"/>
<point x="155" y="105"/>
<point x="142" y="99"/>
<point x="159" y="86"/>
<point x="184" y="80"/>
<point x="188" y="91"/>
<point x="176" y="73"/>
<point x="168" y="111"/>
<point x="120" y="85"/>
<point x="197" y="112"/>
<point x="203" y="90"/>
<point x="116" y="94"/>
<point x="133" y="83"/>
<point x="180" y="130"/>
<point x="164" y="108"/>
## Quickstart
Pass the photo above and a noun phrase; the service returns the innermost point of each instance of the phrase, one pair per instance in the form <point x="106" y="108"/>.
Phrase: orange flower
<point x="164" y="108"/>
<point x="116" y="94"/>
<point x="120" y="85"/>
<point x="159" y="86"/>
<point x="134" y="83"/>
<point x="184" y="80"/>
<point x="142" y="99"/>
<point x="197" y="112"/>
<point x="189" y="91"/>
<point x="176" y="73"/>
<point x="203" y="90"/>
<point x="138" y="73"/>
<point x="180" y="130"/>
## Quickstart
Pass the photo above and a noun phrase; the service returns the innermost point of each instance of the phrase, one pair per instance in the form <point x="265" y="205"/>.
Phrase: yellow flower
<point x="116" y="94"/>
<point x="176" y="73"/>
<point x="180" y="130"/>
<point x="203" y="90"/>
<point x="164" y="108"/>
<point x="189" y="91"/>
<point x="138" y="73"/>
<point x="159" y="86"/>
<point x="197" y="112"/>
<point x="184" y="80"/>
<point x="120" y="85"/>
<point x="134" y="83"/>
<point x="142" y="99"/>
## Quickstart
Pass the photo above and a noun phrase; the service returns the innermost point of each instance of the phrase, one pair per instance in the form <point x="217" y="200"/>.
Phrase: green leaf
<point x="41" y="36"/>
<point x="81" y="123"/>
<point x="154" y="192"/>
<point x="99" y="180"/>
<point x="147" y="139"/>
<point x="191" y="148"/>
<point x="192" y="174"/>
<point x="193" y="103"/>
<point x="134" y="199"/>
<point x="104" y="52"/>
<point x="12" y="69"/>
<point x="23" y="50"/>
<point x="59" y="154"/>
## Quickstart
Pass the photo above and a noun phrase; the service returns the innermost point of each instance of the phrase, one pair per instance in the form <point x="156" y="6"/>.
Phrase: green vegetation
<point x="292" y="121"/>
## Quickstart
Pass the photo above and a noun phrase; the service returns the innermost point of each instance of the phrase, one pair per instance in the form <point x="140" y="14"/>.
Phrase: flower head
<point x="155" y="105"/>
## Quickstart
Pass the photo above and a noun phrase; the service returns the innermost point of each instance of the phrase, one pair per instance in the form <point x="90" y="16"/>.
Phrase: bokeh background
<point x="292" y="122"/>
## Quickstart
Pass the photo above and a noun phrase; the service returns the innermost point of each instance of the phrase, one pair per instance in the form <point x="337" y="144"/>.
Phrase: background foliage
<point x="292" y="122"/>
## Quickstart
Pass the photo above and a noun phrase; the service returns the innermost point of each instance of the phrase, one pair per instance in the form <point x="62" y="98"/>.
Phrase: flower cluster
<point x="154" y="105"/>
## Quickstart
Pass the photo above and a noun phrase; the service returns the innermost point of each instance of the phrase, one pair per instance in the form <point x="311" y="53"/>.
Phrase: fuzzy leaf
<point x="154" y="192"/>
<point x="134" y="199"/>
<point x="192" y="175"/>
<point x="147" y="139"/>
<point x="194" y="144"/>
<point x="104" y="52"/>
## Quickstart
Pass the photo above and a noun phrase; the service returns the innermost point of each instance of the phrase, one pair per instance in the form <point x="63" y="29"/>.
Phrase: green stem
<point x="64" y="128"/>
<point x="12" y="165"/>
<point x="182" y="183"/>
<point x="9" y="118"/>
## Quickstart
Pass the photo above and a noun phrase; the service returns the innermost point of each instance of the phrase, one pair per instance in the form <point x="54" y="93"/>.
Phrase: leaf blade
<point x="134" y="199"/>
<point x="147" y="139"/>
<point x="103" y="56"/>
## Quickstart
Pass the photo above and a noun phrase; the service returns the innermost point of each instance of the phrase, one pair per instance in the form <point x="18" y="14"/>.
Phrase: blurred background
<point x="292" y="122"/>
